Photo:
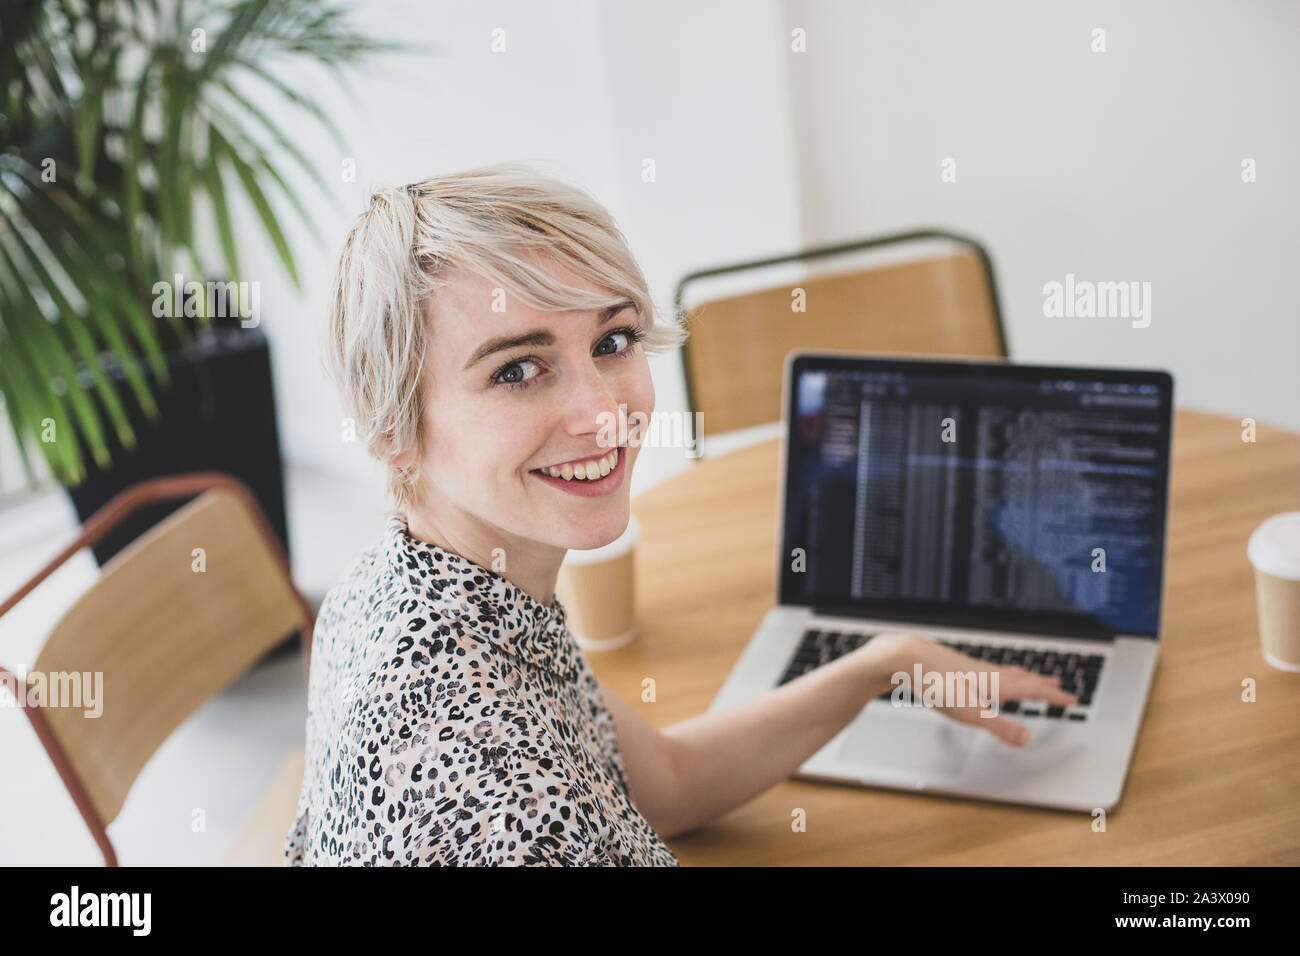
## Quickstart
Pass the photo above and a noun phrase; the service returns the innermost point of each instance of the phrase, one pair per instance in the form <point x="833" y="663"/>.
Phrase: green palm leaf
<point x="112" y="125"/>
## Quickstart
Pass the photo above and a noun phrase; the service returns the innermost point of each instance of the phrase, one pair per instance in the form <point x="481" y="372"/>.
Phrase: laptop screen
<point x="977" y="494"/>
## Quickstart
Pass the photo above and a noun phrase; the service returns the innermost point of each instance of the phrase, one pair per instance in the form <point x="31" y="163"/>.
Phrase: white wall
<point x="703" y="91"/>
<point x="445" y="104"/>
<point x="1122" y="165"/>
<point x="587" y="95"/>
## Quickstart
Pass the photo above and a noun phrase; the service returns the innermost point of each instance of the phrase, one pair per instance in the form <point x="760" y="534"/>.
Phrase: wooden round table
<point x="1214" y="779"/>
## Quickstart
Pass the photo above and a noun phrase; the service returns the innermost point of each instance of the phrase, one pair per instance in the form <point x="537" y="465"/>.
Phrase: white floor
<point x="192" y="799"/>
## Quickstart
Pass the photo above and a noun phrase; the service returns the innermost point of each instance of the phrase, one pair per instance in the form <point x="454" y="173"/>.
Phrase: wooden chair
<point x="172" y="620"/>
<point x="942" y="302"/>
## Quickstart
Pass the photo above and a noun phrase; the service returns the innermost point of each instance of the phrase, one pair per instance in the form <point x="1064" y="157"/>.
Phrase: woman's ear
<point x="403" y="460"/>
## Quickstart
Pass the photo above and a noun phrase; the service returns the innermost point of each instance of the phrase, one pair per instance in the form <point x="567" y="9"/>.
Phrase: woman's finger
<point x="1053" y="691"/>
<point x="1016" y="682"/>
<point x="1037" y="687"/>
<point x="1006" y="730"/>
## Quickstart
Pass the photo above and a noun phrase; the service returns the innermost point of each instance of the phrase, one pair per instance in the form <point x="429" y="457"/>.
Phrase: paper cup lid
<point x="619" y="546"/>
<point x="1274" y="548"/>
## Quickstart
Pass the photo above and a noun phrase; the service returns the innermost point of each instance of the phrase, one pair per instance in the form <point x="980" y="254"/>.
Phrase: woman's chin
<point x="596" y="534"/>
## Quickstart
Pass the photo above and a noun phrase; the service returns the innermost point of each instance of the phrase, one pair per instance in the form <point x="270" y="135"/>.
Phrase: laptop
<point x="1017" y="513"/>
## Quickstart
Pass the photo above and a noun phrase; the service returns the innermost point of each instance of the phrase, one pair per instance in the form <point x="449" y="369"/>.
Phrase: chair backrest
<point x="942" y="303"/>
<point x="173" y="619"/>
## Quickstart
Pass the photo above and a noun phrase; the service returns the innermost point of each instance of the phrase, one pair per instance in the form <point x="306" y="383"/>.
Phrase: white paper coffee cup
<point x="1274" y="551"/>
<point x="598" y="591"/>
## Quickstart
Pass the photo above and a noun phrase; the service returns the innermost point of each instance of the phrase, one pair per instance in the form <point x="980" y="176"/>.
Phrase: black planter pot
<point x="218" y="414"/>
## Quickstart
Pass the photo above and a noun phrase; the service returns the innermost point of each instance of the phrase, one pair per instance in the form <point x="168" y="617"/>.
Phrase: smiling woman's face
<point x="510" y="395"/>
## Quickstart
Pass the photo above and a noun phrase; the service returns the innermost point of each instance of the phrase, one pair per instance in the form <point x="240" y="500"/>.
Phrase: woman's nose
<point x="590" y="406"/>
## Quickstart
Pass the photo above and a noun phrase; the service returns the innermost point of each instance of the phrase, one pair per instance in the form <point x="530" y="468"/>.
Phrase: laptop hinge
<point x="1045" y="626"/>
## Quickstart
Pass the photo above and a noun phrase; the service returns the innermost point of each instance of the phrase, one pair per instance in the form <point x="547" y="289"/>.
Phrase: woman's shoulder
<point x="372" y="581"/>
<point x="458" y="768"/>
<point x="356" y="575"/>
<point x="367" y="622"/>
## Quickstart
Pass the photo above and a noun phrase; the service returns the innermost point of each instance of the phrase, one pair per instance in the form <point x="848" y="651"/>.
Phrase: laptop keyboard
<point x="1079" y="673"/>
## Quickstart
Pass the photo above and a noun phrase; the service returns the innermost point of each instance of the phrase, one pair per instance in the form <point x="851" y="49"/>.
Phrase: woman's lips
<point x="590" y="487"/>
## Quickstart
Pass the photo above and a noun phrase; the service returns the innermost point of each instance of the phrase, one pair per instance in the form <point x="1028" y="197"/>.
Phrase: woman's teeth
<point x="585" y="471"/>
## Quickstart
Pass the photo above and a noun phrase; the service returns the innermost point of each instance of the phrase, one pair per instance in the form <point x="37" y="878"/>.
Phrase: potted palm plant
<point x="123" y="124"/>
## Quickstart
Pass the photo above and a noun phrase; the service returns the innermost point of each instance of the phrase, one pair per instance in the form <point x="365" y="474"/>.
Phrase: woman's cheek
<point x="645" y="387"/>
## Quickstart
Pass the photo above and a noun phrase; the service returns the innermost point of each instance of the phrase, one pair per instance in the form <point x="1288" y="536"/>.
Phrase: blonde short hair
<point x="485" y="221"/>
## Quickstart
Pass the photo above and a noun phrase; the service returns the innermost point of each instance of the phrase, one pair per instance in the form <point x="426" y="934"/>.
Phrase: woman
<point x="485" y="329"/>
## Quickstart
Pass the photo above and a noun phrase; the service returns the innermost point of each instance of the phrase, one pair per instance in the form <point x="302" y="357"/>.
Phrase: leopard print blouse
<point x="452" y="720"/>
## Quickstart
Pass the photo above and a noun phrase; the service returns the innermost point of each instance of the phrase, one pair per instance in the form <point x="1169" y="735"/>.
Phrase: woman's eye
<point x="613" y="343"/>
<point x="518" y="371"/>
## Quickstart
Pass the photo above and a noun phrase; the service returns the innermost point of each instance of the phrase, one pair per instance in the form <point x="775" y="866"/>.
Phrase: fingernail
<point x="1022" y="736"/>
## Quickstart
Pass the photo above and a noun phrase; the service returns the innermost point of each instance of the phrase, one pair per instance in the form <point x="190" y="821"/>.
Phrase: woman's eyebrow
<point x="535" y="337"/>
<point x="615" y="309"/>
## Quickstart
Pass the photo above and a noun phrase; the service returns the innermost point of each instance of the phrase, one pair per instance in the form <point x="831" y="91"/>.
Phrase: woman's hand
<point x="1013" y="683"/>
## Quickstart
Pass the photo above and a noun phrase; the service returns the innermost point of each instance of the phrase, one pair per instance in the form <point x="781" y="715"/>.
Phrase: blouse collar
<point x="484" y="601"/>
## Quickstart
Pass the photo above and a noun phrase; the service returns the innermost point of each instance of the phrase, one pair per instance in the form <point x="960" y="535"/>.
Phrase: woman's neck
<point x="528" y="565"/>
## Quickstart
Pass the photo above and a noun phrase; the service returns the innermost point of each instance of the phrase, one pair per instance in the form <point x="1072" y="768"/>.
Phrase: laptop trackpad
<point x="920" y="741"/>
